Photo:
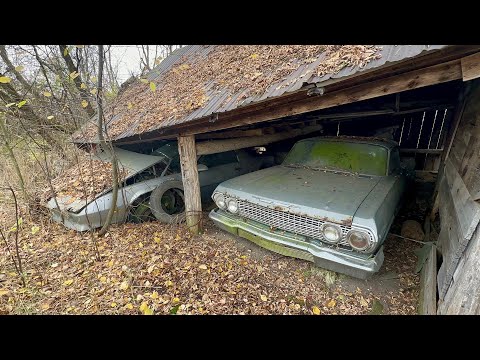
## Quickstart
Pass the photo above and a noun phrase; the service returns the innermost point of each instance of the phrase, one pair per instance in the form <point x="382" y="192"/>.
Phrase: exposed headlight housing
<point x="359" y="240"/>
<point x="331" y="233"/>
<point x="232" y="206"/>
<point x="220" y="201"/>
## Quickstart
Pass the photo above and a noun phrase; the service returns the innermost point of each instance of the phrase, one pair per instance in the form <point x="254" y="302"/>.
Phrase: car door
<point x="221" y="167"/>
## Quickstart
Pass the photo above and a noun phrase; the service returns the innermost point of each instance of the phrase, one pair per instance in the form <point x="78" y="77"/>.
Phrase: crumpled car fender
<point x="139" y="189"/>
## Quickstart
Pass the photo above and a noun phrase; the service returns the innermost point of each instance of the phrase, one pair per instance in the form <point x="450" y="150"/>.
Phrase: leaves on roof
<point x="231" y="71"/>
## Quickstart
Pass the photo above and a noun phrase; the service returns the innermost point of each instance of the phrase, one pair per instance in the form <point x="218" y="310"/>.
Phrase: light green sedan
<point x="332" y="201"/>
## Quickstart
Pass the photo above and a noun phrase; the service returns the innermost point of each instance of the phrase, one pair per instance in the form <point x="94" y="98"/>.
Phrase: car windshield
<point x="352" y="157"/>
<point x="169" y="152"/>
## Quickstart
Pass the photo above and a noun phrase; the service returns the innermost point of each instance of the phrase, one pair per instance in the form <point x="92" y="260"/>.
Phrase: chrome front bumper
<point x="289" y="244"/>
<point x="84" y="222"/>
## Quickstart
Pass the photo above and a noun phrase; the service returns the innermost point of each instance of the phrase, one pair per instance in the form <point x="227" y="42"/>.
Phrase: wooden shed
<point x="218" y="98"/>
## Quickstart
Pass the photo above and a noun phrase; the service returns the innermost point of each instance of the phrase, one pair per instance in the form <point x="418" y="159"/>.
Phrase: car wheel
<point x="141" y="211"/>
<point x="168" y="203"/>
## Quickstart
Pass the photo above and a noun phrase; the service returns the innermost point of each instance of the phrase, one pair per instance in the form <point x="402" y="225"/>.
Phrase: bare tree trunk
<point x="28" y="87"/>
<point x="111" y="73"/>
<point x="14" y="160"/>
<point x="78" y="80"/>
<point x="9" y="94"/>
<point x="104" y="145"/>
<point x="44" y="72"/>
<point x="17" y="263"/>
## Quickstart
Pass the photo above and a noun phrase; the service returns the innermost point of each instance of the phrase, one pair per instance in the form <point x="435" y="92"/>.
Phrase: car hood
<point x="321" y="194"/>
<point x="130" y="161"/>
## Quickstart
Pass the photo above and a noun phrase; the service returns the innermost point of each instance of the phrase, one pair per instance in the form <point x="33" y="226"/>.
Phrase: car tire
<point x="168" y="202"/>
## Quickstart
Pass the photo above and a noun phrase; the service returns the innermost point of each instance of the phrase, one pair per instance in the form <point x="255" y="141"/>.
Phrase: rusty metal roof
<point x="304" y="75"/>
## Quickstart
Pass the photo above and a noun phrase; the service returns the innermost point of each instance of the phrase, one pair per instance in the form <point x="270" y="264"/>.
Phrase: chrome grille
<point x="278" y="219"/>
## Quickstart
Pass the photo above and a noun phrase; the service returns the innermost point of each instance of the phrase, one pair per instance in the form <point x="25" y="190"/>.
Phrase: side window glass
<point x="218" y="159"/>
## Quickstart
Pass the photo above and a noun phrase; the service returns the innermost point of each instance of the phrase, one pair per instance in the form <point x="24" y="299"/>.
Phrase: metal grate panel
<point x="297" y="224"/>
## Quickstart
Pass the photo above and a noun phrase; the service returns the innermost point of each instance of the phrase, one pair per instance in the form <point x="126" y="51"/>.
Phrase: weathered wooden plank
<point x="460" y="216"/>
<point x="442" y="241"/>
<point x="448" y="241"/>
<point x="422" y="151"/>
<point x="230" y="134"/>
<point x="467" y="210"/>
<point x="463" y="294"/>
<point x="451" y="130"/>
<point x="459" y="147"/>
<point x="469" y="157"/>
<point x="470" y="168"/>
<point x="466" y="135"/>
<point x="191" y="184"/>
<point x="441" y="284"/>
<point x="216" y="146"/>
<point x="428" y="285"/>
<point x="471" y="67"/>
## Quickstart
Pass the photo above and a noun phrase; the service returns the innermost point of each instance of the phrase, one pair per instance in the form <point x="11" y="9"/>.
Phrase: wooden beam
<point x="216" y="146"/>
<point x="428" y="285"/>
<point x="413" y="80"/>
<point x="422" y="151"/>
<point x="451" y="131"/>
<point x="191" y="184"/>
<point x="231" y="134"/>
<point x="471" y="67"/>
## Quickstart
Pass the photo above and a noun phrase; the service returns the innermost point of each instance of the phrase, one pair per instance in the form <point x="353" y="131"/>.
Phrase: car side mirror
<point x="202" y="167"/>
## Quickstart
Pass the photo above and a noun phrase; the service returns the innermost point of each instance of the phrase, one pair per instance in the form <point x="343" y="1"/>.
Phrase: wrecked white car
<point x="151" y="187"/>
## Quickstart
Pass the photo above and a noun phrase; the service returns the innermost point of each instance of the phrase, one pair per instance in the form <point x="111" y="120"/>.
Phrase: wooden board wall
<point x="459" y="195"/>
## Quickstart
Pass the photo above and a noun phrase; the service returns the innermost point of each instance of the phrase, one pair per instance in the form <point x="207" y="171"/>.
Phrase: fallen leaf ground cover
<point x="153" y="268"/>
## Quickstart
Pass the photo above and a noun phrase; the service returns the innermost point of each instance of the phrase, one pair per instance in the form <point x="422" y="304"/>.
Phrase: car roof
<point x="389" y="144"/>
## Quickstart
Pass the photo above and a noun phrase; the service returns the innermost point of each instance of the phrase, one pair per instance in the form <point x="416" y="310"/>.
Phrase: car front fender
<point x="135" y="191"/>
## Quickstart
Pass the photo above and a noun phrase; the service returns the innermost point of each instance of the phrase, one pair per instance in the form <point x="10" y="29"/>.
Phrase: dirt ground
<point x="152" y="268"/>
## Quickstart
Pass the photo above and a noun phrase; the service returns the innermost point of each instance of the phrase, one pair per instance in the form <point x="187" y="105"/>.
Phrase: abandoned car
<point x="152" y="187"/>
<point x="331" y="201"/>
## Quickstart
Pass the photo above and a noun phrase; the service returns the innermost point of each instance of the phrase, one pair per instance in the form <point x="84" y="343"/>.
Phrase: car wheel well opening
<point x="173" y="201"/>
<point x="140" y="210"/>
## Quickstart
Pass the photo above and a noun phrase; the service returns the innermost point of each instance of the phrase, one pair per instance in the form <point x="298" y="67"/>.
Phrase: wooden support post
<point x="428" y="285"/>
<point x="191" y="184"/>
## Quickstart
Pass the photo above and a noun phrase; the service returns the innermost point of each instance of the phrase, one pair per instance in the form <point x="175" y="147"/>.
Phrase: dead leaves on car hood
<point x="85" y="180"/>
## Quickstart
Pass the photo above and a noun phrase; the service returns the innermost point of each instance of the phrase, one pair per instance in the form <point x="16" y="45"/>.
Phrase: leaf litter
<point x="180" y="274"/>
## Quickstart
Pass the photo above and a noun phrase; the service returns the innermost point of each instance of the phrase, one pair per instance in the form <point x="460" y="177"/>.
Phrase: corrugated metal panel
<point x="223" y="100"/>
<point x="390" y="54"/>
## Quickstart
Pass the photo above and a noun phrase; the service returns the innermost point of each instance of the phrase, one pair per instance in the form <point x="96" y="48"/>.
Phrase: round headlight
<point x="232" y="206"/>
<point x="219" y="200"/>
<point x="331" y="233"/>
<point x="359" y="240"/>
